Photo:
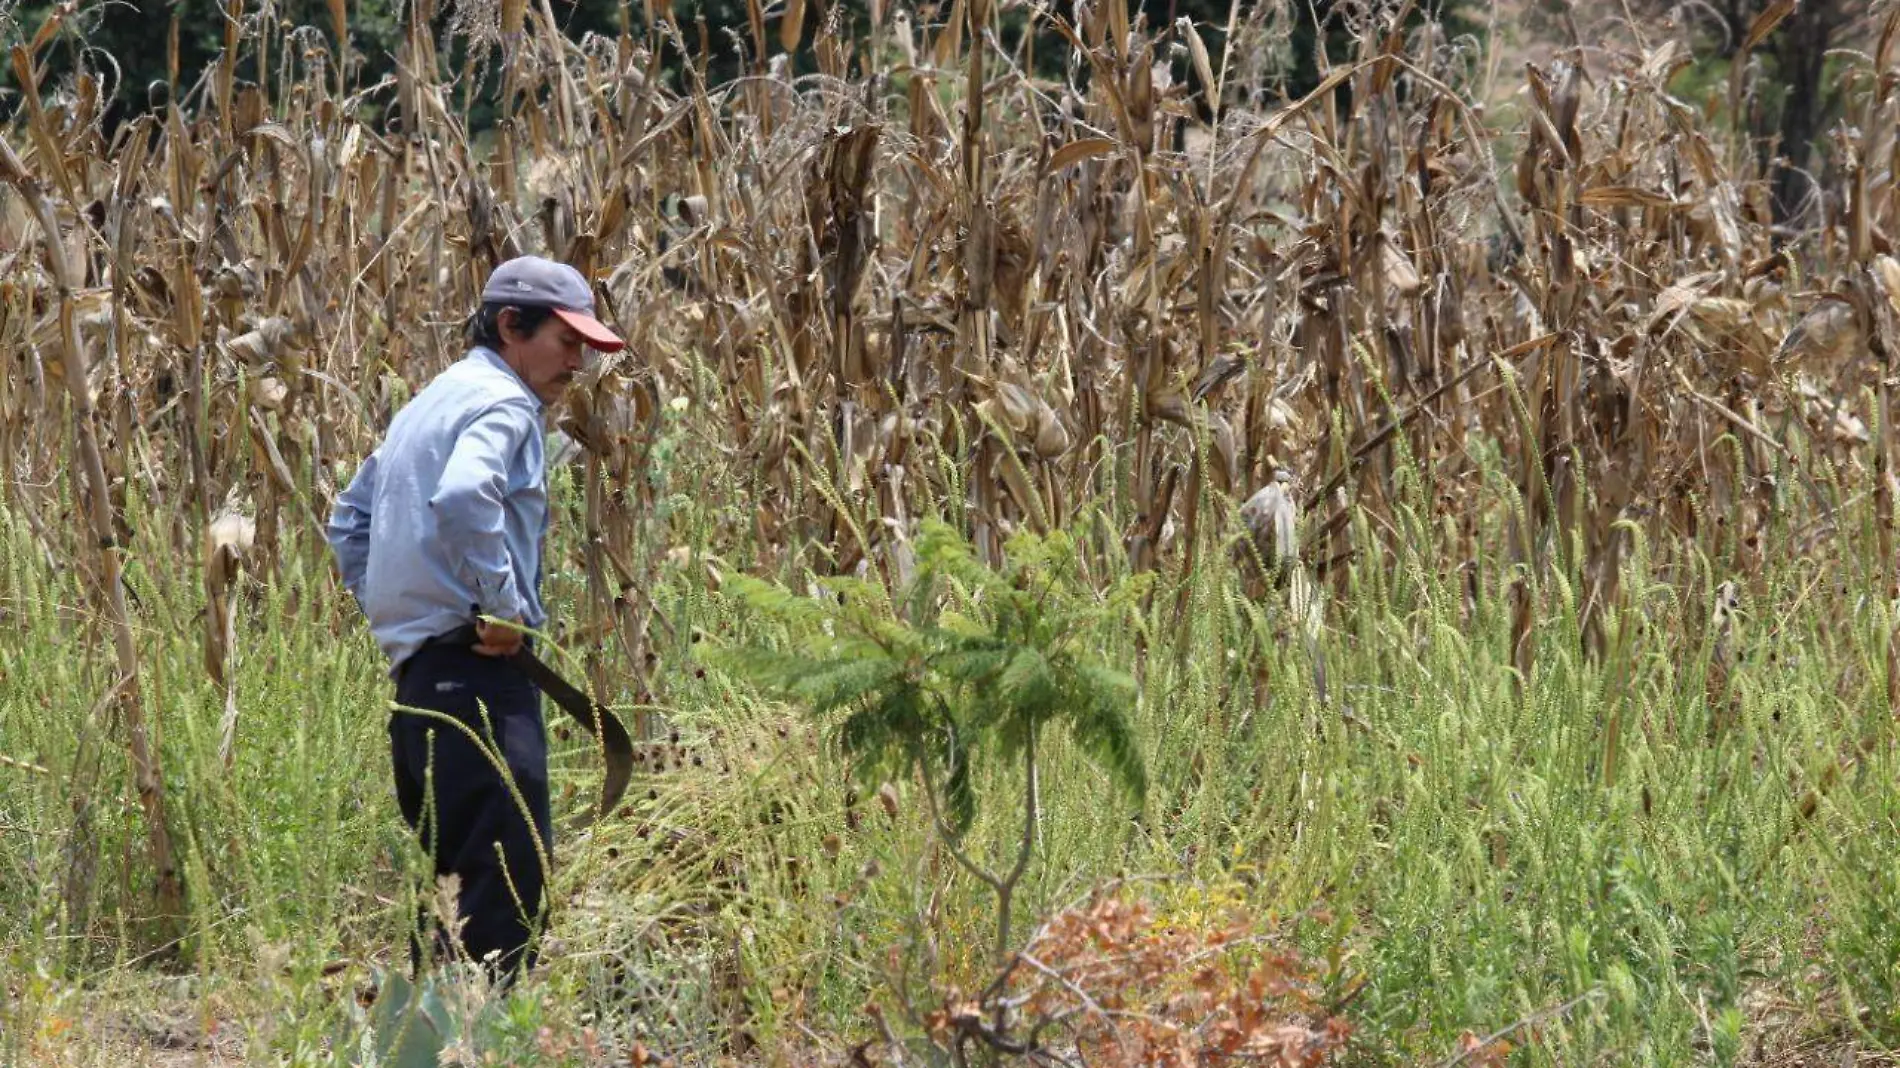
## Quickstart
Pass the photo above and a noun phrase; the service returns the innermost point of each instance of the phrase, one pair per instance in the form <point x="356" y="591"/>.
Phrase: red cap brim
<point x="592" y="330"/>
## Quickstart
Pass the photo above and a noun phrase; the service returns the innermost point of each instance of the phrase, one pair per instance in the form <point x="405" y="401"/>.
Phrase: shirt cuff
<point x="498" y="597"/>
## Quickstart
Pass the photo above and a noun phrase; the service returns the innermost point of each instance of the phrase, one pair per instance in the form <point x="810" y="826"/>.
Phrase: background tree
<point x="1796" y="58"/>
<point x="126" y="41"/>
<point x="129" y="43"/>
<point x="1334" y="25"/>
<point x="1792" y="103"/>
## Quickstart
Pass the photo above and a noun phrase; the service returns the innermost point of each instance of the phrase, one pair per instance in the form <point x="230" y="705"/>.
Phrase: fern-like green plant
<point x="967" y="664"/>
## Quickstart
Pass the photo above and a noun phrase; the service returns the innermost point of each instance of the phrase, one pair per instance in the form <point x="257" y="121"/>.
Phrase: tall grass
<point x="1652" y="860"/>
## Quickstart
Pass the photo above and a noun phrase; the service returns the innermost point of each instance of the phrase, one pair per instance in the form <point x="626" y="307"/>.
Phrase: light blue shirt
<point x="448" y="514"/>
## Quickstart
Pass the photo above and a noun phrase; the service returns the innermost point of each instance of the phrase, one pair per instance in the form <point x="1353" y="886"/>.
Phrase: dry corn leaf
<point x="1826" y="336"/>
<point x="1765" y="22"/>
<point x="1076" y="151"/>
<point x="263" y="344"/>
<point x="1400" y="276"/>
<point x="791" y="25"/>
<point x="1272" y="517"/>
<point x="1052" y="438"/>
<point x="1679" y="297"/>
<point x="1622" y="196"/>
<point x="228" y="538"/>
<point x="268" y="393"/>
<point x="1661" y="63"/>
<point x="1197" y="53"/>
<point x="1887" y="269"/>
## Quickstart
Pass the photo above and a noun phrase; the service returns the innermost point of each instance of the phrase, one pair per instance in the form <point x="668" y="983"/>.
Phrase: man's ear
<point x="508" y="323"/>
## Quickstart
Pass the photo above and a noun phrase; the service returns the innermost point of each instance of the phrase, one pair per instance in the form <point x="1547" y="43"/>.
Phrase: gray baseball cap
<point x="533" y="281"/>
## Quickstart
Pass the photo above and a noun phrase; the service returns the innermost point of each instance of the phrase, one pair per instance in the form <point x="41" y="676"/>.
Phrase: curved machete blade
<point x="596" y="718"/>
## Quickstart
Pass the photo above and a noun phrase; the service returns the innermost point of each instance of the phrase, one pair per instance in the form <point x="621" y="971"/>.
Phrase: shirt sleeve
<point x="469" y="516"/>
<point x="348" y="529"/>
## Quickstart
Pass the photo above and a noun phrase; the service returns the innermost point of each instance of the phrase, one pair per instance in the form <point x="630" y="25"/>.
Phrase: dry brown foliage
<point x="1110" y="982"/>
<point x="1134" y="991"/>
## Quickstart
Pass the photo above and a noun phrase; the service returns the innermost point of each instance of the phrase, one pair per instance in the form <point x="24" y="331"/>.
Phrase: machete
<point x="597" y="719"/>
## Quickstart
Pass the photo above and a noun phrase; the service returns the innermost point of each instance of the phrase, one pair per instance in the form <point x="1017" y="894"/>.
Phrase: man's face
<point x="546" y="360"/>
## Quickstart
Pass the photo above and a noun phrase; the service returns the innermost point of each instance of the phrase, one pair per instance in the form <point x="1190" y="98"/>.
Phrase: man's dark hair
<point x="484" y="327"/>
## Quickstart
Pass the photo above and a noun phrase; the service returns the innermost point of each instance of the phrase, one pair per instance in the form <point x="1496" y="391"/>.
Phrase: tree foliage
<point x="128" y="44"/>
<point x="965" y="664"/>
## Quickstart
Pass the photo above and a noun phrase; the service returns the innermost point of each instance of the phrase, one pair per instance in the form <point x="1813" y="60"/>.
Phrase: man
<point x="442" y="524"/>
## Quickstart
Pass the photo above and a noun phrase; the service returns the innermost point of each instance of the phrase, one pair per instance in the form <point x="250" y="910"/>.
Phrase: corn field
<point x="925" y="281"/>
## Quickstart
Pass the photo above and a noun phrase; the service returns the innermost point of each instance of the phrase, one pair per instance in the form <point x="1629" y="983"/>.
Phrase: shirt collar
<point x="493" y="359"/>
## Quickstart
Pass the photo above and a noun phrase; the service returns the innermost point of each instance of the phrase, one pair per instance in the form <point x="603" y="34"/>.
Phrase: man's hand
<point x="498" y="639"/>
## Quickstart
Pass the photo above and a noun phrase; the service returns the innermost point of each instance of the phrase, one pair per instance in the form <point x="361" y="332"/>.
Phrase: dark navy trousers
<point x="475" y="828"/>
